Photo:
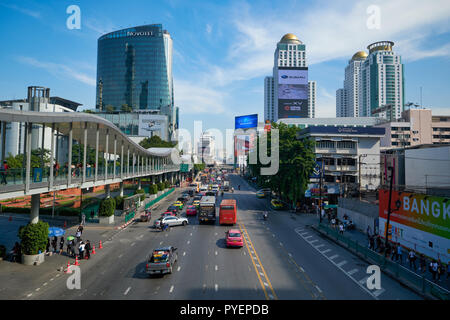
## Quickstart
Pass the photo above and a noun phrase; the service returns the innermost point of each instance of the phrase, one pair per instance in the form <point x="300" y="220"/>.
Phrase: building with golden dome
<point x="288" y="93"/>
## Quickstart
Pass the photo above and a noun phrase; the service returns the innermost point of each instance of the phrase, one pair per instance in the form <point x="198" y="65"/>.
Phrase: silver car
<point x="173" y="221"/>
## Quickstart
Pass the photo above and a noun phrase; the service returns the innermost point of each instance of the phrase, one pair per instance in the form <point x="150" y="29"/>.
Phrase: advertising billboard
<point x="422" y="222"/>
<point x="292" y="93"/>
<point x="152" y="124"/>
<point x="246" y="122"/>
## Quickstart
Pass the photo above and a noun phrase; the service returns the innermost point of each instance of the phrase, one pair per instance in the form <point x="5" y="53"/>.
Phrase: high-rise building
<point x="347" y="100"/>
<point x="382" y="83"/>
<point x="288" y="93"/>
<point x="134" y="73"/>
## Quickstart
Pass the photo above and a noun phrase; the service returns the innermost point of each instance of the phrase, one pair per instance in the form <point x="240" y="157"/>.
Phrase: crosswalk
<point x="359" y="276"/>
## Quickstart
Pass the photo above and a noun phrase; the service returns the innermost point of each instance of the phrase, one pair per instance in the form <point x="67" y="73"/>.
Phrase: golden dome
<point x="289" y="37"/>
<point x="360" y="55"/>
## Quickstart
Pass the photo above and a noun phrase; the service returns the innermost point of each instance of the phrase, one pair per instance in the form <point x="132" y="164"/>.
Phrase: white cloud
<point x="28" y="12"/>
<point x="209" y="28"/>
<point x="59" y="70"/>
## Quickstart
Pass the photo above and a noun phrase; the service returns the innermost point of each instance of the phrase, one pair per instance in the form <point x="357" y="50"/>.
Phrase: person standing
<point x="434" y="269"/>
<point x="369" y="231"/>
<point x="4" y="172"/>
<point x="394" y="252"/>
<point x="81" y="250"/>
<point x="400" y="253"/>
<point x="78" y="235"/>
<point x="47" y="248"/>
<point x="87" y="248"/>
<point x="54" y="243"/>
<point x="341" y="228"/>
<point x="412" y="259"/>
<point x="423" y="263"/>
<point x="371" y="243"/>
<point x="61" y="245"/>
<point x="440" y="270"/>
<point x="69" y="247"/>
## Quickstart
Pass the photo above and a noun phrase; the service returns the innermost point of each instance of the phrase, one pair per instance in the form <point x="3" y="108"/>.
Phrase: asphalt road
<point x="282" y="259"/>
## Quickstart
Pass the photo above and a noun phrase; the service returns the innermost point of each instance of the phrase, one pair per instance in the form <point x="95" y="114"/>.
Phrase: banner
<point x="292" y="93"/>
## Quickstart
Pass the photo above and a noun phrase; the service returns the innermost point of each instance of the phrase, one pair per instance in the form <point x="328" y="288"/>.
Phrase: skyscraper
<point x="347" y="100"/>
<point x="288" y="93"/>
<point x="382" y="82"/>
<point x="134" y="69"/>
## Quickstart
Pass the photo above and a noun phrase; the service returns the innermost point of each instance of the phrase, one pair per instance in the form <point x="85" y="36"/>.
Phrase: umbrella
<point x="55" y="232"/>
<point x="70" y="238"/>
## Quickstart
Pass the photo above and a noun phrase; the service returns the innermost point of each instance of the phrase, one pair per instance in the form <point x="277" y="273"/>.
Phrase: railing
<point x="419" y="282"/>
<point x="129" y="216"/>
<point x="148" y="205"/>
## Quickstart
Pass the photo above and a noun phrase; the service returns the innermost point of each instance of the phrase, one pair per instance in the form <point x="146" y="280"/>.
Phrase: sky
<point x="224" y="49"/>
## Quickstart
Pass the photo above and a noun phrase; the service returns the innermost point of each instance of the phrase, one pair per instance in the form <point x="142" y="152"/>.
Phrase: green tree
<point x="156" y="142"/>
<point x="126" y="108"/>
<point x="109" y="108"/>
<point x="296" y="162"/>
<point x="33" y="237"/>
<point x="107" y="207"/>
<point x="17" y="162"/>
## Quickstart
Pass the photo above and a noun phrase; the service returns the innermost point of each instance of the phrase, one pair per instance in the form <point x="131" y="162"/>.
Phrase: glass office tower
<point x="134" y="69"/>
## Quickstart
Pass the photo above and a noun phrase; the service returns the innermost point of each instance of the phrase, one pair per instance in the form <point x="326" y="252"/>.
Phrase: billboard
<point x="246" y="122"/>
<point x="152" y="124"/>
<point x="292" y="92"/>
<point x="422" y="222"/>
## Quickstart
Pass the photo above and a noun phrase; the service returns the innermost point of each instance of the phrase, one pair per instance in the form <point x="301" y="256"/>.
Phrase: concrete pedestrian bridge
<point x="124" y="159"/>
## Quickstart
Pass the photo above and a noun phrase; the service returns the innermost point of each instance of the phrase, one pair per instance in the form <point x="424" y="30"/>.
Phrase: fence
<point x="130" y="216"/>
<point x="158" y="198"/>
<point x="418" y="282"/>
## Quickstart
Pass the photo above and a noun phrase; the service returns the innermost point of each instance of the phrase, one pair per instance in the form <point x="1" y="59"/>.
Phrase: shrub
<point x="119" y="202"/>
<point x="153" y="189"/>
<point x="33" y="237"/>
<point x="107" y="207"/>
<point x="161" y="186"/>
<point x="140" y="191"/>
<point x="168" y="184"/>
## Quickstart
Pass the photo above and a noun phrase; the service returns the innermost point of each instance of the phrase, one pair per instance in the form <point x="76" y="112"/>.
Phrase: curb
<point x="124" y="225"/>
<point x="389" y="274"/>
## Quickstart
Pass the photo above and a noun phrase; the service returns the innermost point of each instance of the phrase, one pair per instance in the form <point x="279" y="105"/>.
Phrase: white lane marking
<point x="325" y="251"/>
<point x="29" y="295"/>
<point x="319" y="246"/>
<point x="179" y="268"/>
<point x="266" y="284"/>
<point x="290" y="255"/>
<point x="334" y="257"/>
<point x="184" y="253"/>
<point x="171" y="289"/>
<point x="261" y="274"/>
<point x="133" y="243"/>
<point x="303" y="234"/>
<point x="216" y="267"/>
<point x="352" y="272"/>
<point x="45" y="284"/>
<point x="313" y="241"/>
<point x="38" y="289"/>
<point x="318" y="289"/>
<point x="121" y="255"/>
<point x="161" y="243"/>
<point x="140" y="237"/>
<point x="215" y="253"/>
<point x="57" y="275"/>
<point x="126" y="291"/>
<point x="216" y="287"/>
<point x="215" y="234"/>
<point x="191" y="234"/>
<point x="258" y="265"/>
<point x="340" y="264"/>
<point x="52" y="279"/>
<point x="281" y="244"/>
<point x="307" y="237"/>
<point x="188" y="242"/>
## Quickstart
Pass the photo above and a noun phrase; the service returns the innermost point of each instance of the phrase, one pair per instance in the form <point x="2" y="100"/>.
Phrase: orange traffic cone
<point x="100" y="245"/>
<point x="68" y="267"/>
<point x="76" y="261"/>
<point x="93" y="249"/>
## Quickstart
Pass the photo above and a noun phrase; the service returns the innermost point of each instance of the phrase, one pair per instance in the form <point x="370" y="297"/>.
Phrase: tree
<point x="126" y="108"/>
<point x="156" y="142"/>
<point x="109" y="108"/>
<point x="17" y="162"/>
<point x="296" y="162"/>
<point x="33" y="237"/>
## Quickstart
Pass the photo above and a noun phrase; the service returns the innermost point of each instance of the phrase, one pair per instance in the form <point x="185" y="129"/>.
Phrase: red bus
<point x="227" y="212"/>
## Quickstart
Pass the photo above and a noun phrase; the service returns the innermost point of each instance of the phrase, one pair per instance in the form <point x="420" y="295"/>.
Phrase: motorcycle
<point x="265" y="216"/>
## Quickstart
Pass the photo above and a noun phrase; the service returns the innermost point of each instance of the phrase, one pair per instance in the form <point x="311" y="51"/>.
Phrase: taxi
<point x="179" y="204"/>
<point x="196" y="203"/>
<point x="260" y="194"/>
<point x="276" y="204"/>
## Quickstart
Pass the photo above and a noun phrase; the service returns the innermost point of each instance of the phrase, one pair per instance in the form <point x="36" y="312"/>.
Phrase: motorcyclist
<point x="221" y="193"/>
<point x="232" y="190"/>
<point x="265" y="214"/>
<point x="239" y="187"/>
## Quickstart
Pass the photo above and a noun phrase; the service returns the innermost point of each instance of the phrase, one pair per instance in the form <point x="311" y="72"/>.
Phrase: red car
<point x="234" y="238"/>
<point x="191" y="211"/>
<point x="168" y="213"/>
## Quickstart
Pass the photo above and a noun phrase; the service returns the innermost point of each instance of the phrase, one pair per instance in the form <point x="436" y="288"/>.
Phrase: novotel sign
<point x="139" y="33"/>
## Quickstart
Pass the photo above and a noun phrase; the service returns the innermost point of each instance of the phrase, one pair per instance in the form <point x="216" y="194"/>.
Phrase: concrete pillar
<point x="69" y="162"/>
<point x="115" y="153"/>
<point x="121" y="189"/>
<point x="108" y="190"/>
<point x="52" y="156"/>
<point x="106" y="154"/>
<point x="139" y="184"/>
<point x="35" y="204"/>
<point x="96" y="153"/>
<point x="85" y="151"/>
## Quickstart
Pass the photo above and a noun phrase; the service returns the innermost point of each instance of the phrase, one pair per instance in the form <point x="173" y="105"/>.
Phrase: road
<point x="282" y="259"/>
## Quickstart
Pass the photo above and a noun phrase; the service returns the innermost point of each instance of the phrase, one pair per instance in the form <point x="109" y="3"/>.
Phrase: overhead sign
<point x="422" y="222"/>
<point x="344" y="130"/>
<point x="246" y="122"/>
<point x="316" y="170"/>
<point x="292" y="93"/>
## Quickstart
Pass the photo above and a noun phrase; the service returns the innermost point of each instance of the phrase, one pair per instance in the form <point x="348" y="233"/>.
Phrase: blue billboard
<point x="245" y="122"/>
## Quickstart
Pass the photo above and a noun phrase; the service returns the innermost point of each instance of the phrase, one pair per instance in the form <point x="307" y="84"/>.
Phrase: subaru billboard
<point x="292" y="93"/>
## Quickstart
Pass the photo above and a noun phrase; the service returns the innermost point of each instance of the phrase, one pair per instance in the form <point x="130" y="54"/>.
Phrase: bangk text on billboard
<point x="422" y="222"/>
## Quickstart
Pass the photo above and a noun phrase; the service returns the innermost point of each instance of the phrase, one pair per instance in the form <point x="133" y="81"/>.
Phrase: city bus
<point x="207" y="210"/>
<point x="227" y="212"/>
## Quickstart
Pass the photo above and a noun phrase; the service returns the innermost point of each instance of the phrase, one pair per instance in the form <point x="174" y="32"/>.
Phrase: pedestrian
<point x="371" y="243"/>
<point x="83" y="221"/>
<point x="434" y="269"/>
<point x="16" y="253"/>
<point x="54" y="243"/>
<point x="78" y="235"/>
<point x="394" y="252"/>
<point x="87" y="248"/>
<point x="369" y="232"/>
<point x="378" y="241"/>
<point x="81" y="250"/>
<point x="440" y="270"/>
<point x="423" y="263"/>
<point x="448" y="269"/>
<point x="388" y="249"/>
<point x="47" y="248"/>
<point x="412" y="259"/>
<point x="61" y="245"/>
<point x="341" y="228"/>
<point x="4" y="172"/>
<point x="399" y="253"/>
<point x="333" y="222"/>
<point x="81" y="228"/>
<point x="69" y="247"/>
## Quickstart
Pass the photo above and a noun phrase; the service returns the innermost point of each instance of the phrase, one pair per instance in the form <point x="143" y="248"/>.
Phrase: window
<point x="346" y="145"/>
<point x="326" y="144"/>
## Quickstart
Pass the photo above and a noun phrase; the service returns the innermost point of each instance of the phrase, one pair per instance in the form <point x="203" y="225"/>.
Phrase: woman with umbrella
<point x="61" y="245"/>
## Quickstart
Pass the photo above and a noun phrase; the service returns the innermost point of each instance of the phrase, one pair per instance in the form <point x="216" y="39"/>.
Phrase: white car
<point x="173" y="221"/>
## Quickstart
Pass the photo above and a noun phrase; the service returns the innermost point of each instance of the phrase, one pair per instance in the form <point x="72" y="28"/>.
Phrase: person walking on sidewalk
<point x="394" y="252"/>
<point x="440" y="270"/>
<point x="61" y="245"/>
<point x="400" y="253"/>
<point x="412" y="259"/>
<point x="371" y="243"/>
<point x="87" y="248"/>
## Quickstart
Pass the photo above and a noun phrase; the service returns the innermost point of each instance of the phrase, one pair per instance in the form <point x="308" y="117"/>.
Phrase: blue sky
<point x="223" y="49"/>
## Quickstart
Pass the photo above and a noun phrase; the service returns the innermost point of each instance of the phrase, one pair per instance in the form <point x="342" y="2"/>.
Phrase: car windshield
<point x="234" y="235"/>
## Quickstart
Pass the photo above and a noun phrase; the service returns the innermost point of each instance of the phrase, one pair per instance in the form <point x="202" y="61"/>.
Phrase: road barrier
<point x="419" y="283"/>
<point x="130" y="216"/>
<point x="148" y="205"/>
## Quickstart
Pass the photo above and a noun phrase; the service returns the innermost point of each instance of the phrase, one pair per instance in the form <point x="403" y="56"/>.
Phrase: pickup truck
<point x="161" y="261"/>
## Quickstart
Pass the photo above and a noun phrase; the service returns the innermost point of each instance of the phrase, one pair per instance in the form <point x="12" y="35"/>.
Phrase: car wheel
<point x="184" y="223"/>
